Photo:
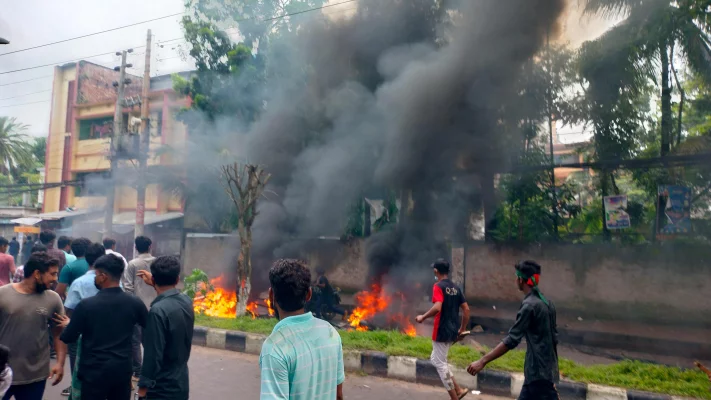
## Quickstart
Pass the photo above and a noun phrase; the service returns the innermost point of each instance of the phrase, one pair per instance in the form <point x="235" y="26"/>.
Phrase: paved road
<point x="217" y="375"/>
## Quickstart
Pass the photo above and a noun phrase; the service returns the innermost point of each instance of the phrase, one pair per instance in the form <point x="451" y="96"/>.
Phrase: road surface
<point x="218" y="374"/>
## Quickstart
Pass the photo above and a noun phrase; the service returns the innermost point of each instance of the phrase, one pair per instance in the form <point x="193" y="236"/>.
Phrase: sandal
<point x="466" y="392"/>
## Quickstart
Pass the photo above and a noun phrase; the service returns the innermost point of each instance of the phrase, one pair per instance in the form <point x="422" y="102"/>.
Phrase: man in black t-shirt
<point x="448" y="326"/>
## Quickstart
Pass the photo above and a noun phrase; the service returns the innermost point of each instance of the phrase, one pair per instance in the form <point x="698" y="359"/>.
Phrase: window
<point x="566" y="158"/>
<point x="92" y="183"/>
<point x="96" y="128"/>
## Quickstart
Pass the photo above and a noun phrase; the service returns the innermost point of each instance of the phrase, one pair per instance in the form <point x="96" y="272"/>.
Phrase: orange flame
<point x="220" y="302"/>
<point x="269" y="307"/>
<point x="375" y="301"/>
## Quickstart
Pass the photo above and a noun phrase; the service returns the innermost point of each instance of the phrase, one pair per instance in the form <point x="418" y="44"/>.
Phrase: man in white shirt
<point x="110" y="246"/>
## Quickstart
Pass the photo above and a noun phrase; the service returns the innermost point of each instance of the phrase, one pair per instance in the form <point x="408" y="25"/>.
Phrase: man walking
<point x="64" y="243"/>
<point x="448" y="299"/>
<point x="110" y="246"/>
<point x="132" y="283"/>
<point x="302" y="359"/>
<point x="105" y="322"/>
<point x="26" y="309"/>
<point x="536" y="320"/>
<point x="14" y="249"/>
<point x="7" y="263"/>
<point x="76" y="269"/>
<point x="82" y="288"/>
<point x="47" y="239"/>
<point x="26" y="249"/>
<point x="168" y="335"/>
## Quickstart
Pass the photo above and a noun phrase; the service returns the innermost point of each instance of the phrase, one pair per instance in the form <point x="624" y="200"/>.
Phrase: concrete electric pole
<point x="144" y="144"/>
<point x="117" y="133"/>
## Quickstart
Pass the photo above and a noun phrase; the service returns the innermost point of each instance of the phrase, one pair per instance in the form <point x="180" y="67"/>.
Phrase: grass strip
<point x="626" y="374"/>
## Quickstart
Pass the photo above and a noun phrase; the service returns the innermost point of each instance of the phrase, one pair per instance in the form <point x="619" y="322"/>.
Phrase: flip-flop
<point x="466" y="392"/>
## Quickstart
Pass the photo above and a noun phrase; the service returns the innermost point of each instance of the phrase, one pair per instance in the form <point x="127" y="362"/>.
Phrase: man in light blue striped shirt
<point x="303" y="358"/>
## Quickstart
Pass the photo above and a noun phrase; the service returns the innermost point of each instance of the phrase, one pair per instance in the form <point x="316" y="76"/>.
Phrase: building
<point x="81" y="123"/>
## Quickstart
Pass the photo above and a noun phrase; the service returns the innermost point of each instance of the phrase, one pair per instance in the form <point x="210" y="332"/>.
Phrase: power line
<point x="26" y="94"/>
<point x="91" y="34"/>
<point x="28" y="80"/>
<point x="155" y="19"/>
<point x="24" y="104"/>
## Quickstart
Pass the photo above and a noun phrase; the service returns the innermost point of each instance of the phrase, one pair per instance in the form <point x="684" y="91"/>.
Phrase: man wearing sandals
<point x="448" y="328"/>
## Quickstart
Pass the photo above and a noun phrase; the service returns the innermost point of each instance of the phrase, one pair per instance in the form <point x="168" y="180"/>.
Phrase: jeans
<point x="31" y="391"/>
<point x="136" y="349"/>
<point x="120" y="390"/>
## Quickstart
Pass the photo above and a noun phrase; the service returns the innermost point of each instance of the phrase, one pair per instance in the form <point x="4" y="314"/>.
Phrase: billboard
<point x="674" y="210"/>
<point x="616" y="216"/>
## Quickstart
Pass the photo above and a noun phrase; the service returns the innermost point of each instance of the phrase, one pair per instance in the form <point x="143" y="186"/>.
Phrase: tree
<point x="39" y="148"/>
<point x="257" y="19"/>
<point x="15" y="149"/>
<point x="642" y="47"/>
<point x="245" y="184"/>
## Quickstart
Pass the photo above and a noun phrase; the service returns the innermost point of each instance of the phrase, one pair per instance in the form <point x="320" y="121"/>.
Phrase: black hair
<point x="4" y="356"/>
<point x="3" y="241"/>
<point x="64" y="241"/>
<point x="38" y="248"/>
<point x="79" y="246"/>
<point x="441" y="265"/>
<point x="143" y="244"/>
<point x="165" y="270"/>
<point x="94" y="252"/>
<point x="40" y="261"/>
<point x="109" y="243"/>
<point x="111" y="264"/>
<point x="47" y="237"/>
<point x="28" y="238"/>
<point x="528" y="268"/>
<point x="290" y="281"/>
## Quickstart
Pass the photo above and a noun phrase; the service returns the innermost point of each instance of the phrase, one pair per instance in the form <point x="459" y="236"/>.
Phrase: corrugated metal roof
<point x="54" y="216"/>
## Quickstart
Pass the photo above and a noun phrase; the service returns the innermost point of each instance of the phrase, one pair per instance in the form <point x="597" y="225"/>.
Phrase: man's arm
<point x="76" y="326"/>
<point x="13" y="268"/>
<point x="275" y="379"/>
<point x="57" y="371"/>
<point x="73" y="298"/>
<point x="437" y="299"/>
<point x="128" y="279"/>
<point x="339" y="392"/>
<point x="153" y="348"/>
<point x="465" y="317"/>
<point x="341" y="371"/>
<point x="510" y="342"/>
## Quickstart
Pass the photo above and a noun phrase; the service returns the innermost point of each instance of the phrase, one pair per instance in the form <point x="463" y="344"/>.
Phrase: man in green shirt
<point x="302" y="359"/>
<point x="74" y="269"/>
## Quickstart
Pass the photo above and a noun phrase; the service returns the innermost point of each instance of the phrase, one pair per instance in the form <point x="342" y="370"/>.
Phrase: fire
<point x="374" y="302"/>
<point x="220" y="302"/>
<point x="369" y="304"/>
<point x="269" y="307"/>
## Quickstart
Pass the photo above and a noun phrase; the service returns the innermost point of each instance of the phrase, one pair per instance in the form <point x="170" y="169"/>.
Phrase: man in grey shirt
<point x="132" y="283"/>
<point x="26" y="309"/>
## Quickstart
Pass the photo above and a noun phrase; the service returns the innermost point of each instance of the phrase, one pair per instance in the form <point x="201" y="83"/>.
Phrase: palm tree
<point x="642" y="47"/>
<point x="15" y="148"/>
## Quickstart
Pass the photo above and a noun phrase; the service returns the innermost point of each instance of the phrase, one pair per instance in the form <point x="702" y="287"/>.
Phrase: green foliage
<point x="15" y="147"/>
<point x="626" y="374"/>
<point x="197" y="283"/>
<point x="390" y="214"/>
<point x="356" y="220"/>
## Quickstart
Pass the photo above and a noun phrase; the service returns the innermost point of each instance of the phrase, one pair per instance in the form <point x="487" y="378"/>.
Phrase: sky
<point x="28" y="23"/>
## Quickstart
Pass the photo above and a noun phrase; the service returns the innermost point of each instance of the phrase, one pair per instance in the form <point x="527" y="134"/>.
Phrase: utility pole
<point x="116" y="135"/>
<point x="549" y="111"/>
<point x="144" y="144"/>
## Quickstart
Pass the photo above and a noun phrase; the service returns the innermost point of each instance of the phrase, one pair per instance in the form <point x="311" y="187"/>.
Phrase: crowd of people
<point x="84" y="300"/>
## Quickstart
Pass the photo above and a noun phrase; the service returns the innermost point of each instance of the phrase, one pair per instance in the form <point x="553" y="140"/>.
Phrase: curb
<point x="411" y="369"/>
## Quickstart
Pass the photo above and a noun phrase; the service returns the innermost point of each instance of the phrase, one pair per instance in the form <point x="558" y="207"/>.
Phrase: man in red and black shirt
<point x="448" y="325"/>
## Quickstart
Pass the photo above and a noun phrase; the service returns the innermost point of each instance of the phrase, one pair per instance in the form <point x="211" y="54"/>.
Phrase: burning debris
<point x="222" y="303"/>
<point x="378" y="304"/>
